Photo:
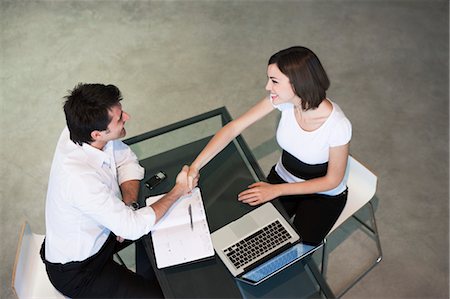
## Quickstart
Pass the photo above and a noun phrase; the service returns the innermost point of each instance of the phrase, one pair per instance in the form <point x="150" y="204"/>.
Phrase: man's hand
<point x="181" y="188"/>
<point x="259" y="193"/>
<point x="181" y="182"/>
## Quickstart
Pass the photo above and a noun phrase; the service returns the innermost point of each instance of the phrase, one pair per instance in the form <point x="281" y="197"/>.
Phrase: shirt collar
<point x="97" y="157"/>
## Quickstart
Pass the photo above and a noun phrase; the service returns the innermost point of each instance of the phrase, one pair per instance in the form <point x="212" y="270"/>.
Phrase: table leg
<point x="324" y="287"/>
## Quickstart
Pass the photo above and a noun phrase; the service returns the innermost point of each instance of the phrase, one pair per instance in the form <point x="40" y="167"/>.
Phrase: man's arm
<point x="130" y="191"/>
<point x="181" y="188"/>
<point x="128" y="170"/>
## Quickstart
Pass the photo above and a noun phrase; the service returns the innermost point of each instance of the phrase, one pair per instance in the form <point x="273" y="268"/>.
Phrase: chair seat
<point x="361" y="184"/>
<point x="30" y="278"/>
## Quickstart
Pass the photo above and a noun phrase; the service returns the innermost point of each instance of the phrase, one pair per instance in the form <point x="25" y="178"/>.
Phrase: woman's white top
<point x="311" y="147"/>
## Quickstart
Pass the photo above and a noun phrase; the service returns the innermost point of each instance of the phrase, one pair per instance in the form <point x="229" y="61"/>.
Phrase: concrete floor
<point x="388" y="65"/>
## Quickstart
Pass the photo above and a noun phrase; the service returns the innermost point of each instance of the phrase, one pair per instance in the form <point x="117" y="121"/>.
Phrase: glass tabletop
<point x="167" y="149"/>
<point x="187" y="132"/>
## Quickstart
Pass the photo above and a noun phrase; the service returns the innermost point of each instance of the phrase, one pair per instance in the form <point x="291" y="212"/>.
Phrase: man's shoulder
<point x="72" y="159"/>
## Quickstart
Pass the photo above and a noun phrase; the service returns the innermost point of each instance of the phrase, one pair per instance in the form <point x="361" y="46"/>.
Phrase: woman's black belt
<point x="302" y="170"/>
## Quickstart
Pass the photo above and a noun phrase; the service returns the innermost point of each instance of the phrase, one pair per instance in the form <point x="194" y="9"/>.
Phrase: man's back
<point x="83" y="197"/>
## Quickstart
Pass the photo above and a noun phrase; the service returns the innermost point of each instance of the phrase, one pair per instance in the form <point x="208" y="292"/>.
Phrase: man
<point x="94" y="181"/>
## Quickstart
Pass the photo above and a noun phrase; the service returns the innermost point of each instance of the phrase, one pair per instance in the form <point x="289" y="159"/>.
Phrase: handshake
<point x="187" y="179"/>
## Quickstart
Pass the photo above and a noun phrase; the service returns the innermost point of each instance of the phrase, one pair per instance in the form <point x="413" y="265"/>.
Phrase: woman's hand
<point x="259" y="193"/>
<point x="192" y="177"/>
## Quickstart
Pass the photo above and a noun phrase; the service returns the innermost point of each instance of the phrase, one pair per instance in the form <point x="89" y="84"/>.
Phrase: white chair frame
<point x="29" y="277"/>
<point x="362" y="184"/>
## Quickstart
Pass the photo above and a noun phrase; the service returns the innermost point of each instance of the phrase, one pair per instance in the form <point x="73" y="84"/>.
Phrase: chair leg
<point x="323" y="267"/>
<point x="374" y="231"/>
<point x="377" y="236"/>
<point x="323" y="285"/>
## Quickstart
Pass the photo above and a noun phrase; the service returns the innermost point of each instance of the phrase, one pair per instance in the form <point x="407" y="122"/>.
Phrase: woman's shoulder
<point x="338" y="121"/>
<point x="340" y="127"/>
<point x="338" y="114"/>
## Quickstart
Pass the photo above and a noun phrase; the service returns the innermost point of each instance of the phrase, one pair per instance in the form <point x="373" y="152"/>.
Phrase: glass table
<point x="167" y="149"/>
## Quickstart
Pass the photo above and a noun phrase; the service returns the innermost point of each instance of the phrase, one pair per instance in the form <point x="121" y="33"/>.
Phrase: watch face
<point x="134" y="206"/>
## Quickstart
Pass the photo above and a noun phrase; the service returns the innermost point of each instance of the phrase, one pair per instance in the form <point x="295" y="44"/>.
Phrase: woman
<point x="314" y="135"/>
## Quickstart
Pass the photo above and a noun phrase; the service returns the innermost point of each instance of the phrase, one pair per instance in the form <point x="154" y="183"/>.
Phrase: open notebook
<point x="179" y="238"/>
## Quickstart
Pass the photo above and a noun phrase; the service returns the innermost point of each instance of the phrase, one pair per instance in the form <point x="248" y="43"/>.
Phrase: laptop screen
<point x="277" y="263"/>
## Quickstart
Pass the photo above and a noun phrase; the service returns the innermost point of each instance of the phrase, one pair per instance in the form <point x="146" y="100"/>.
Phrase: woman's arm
<point x="225" y="135"/>
<point x="261" y="192"/>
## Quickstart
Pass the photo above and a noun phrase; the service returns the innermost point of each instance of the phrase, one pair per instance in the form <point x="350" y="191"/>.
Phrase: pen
<point x="190" y="216"/>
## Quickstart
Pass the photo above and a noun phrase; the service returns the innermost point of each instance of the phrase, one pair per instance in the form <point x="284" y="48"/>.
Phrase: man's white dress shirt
<point x="84" y="203"/>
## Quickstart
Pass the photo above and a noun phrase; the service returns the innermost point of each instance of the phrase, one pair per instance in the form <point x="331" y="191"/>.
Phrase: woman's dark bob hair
<point x="306" y="74"/>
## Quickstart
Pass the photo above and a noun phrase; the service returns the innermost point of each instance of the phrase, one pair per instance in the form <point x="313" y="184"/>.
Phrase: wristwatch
<point x="134" y="206"/>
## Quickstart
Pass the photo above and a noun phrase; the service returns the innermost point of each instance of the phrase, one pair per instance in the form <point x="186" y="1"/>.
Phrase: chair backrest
<point x="29" y="278"/>
<point x="362" y="185"/>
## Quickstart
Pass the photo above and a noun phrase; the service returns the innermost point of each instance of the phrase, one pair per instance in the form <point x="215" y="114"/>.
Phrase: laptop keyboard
<point x="257" y="244"/>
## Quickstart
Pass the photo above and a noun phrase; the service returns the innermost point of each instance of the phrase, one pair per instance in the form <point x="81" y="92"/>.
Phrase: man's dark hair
<point x="87" y="109"/>
<point x="305" y="72"/>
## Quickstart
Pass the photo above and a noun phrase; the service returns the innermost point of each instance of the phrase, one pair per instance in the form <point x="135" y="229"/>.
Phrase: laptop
<point x="259" y="244"/>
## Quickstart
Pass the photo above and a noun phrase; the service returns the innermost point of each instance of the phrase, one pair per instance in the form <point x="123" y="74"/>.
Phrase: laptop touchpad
<point x="243" y="228"/>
